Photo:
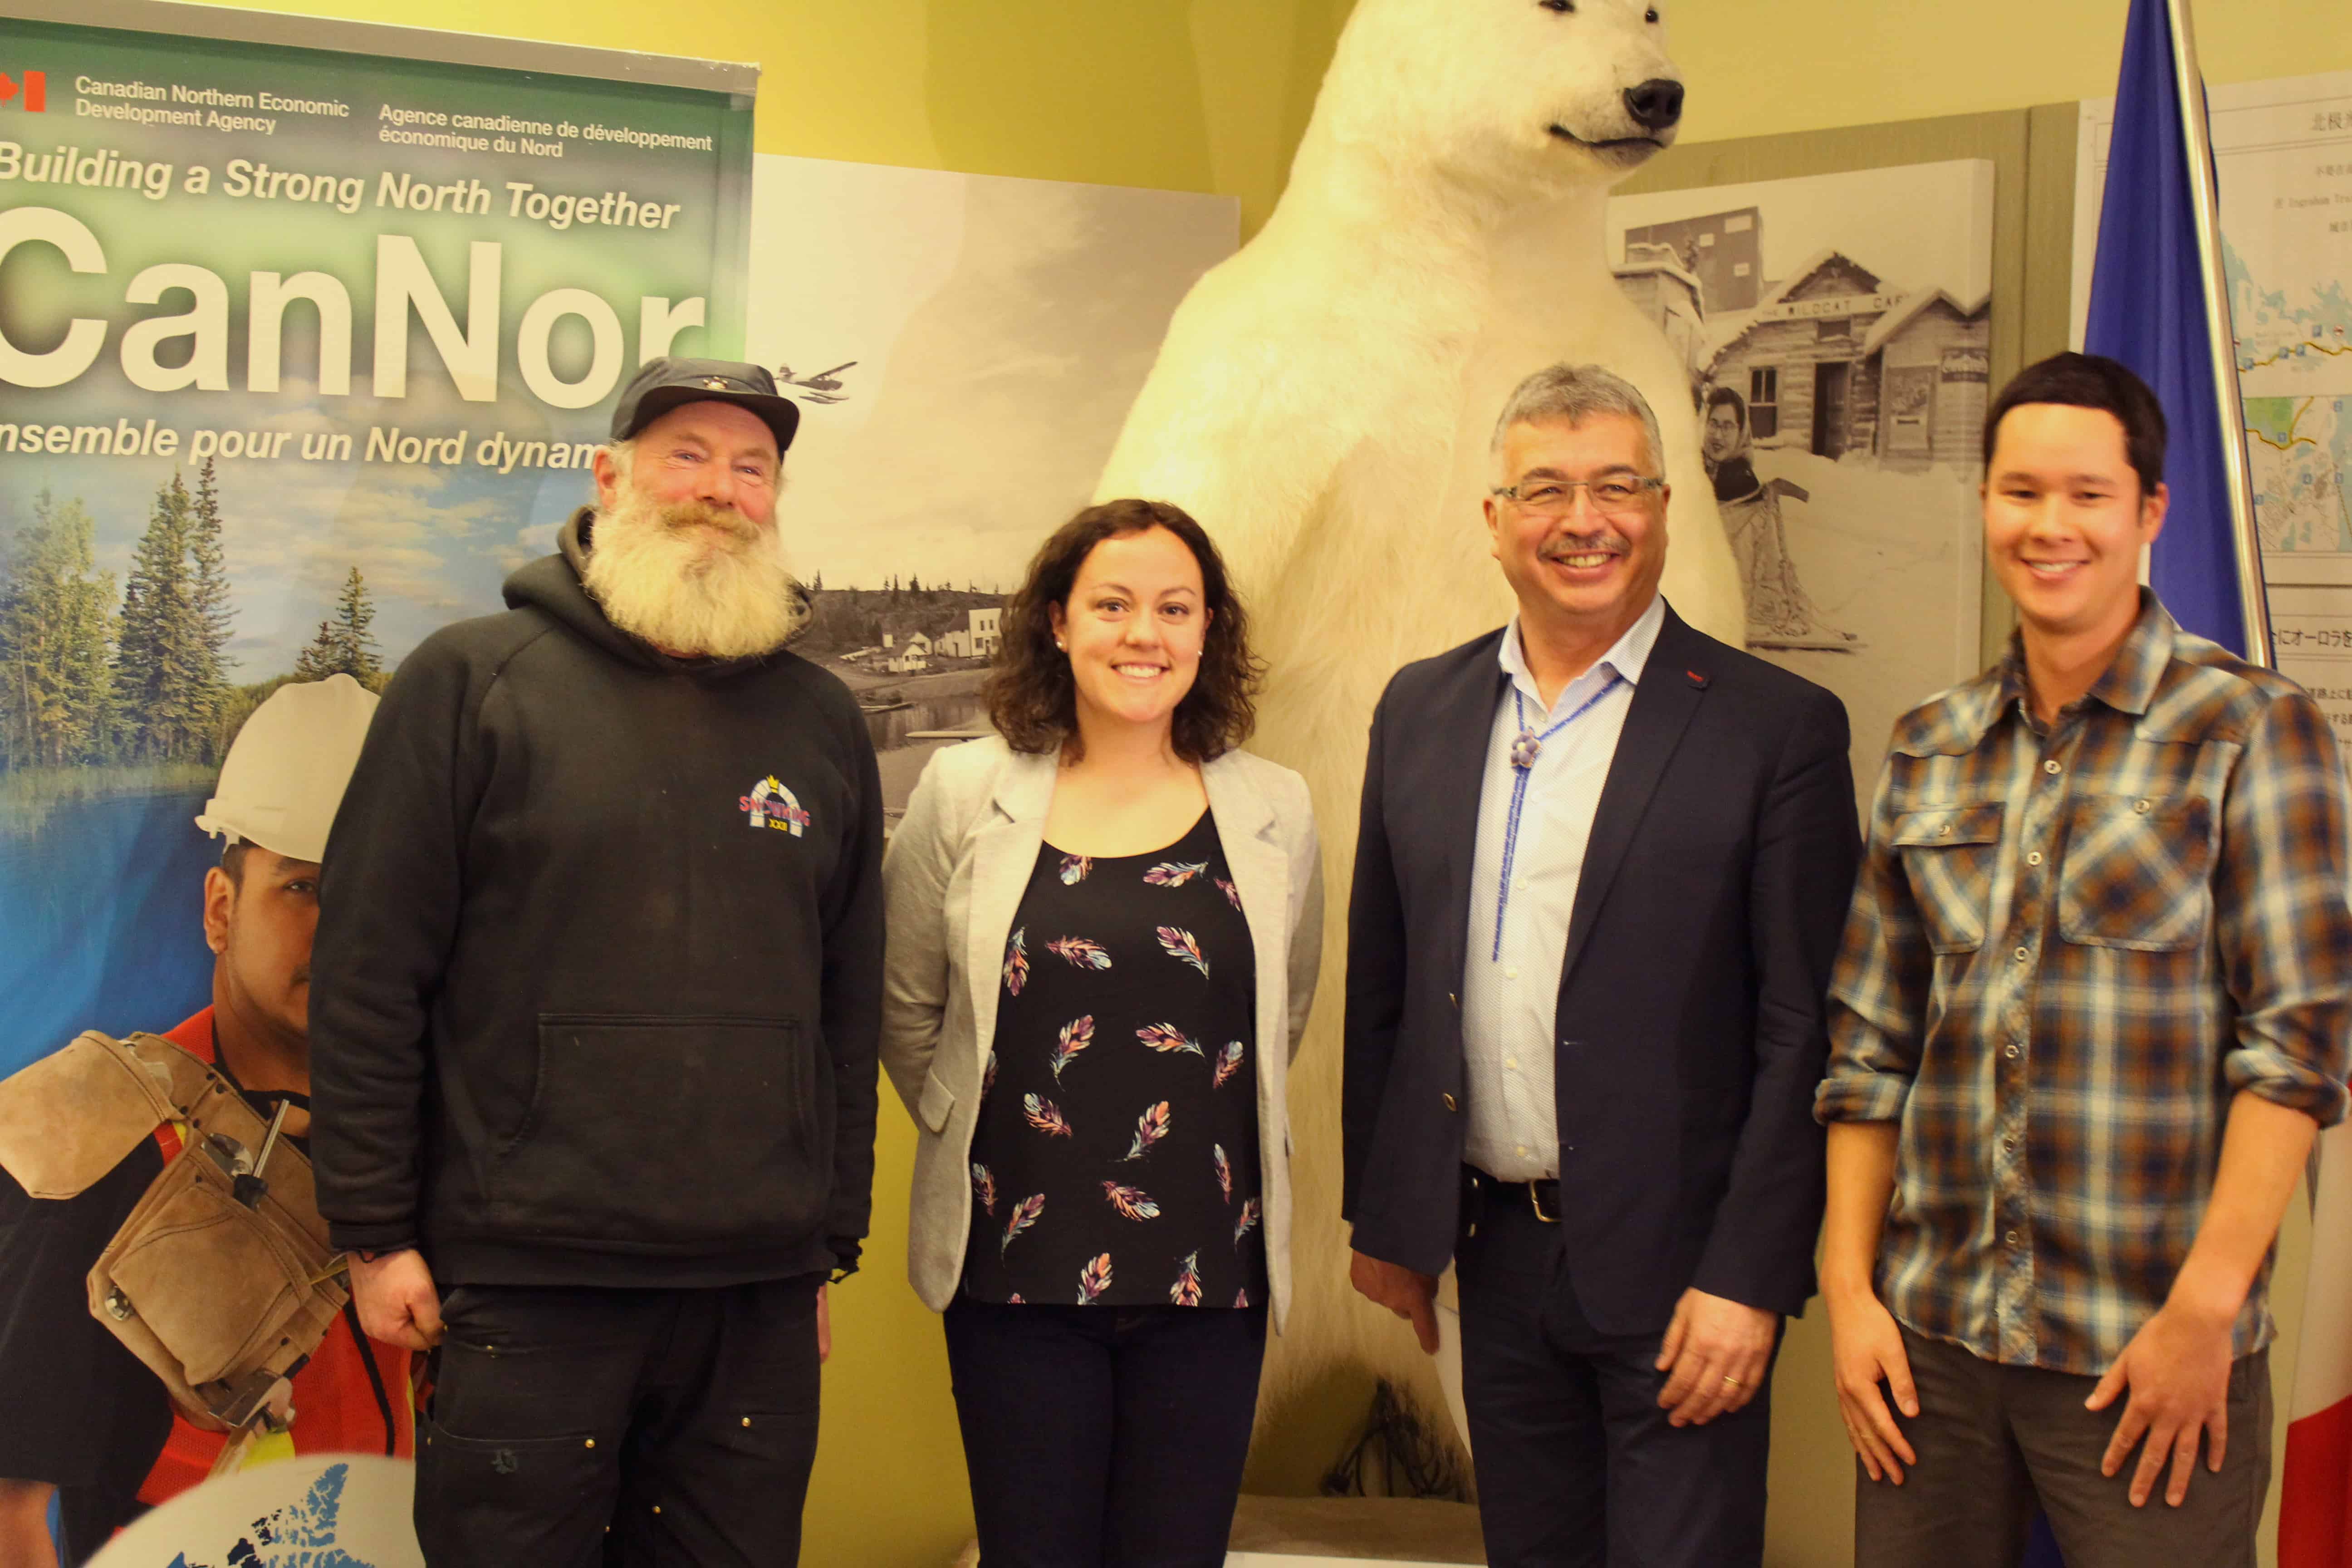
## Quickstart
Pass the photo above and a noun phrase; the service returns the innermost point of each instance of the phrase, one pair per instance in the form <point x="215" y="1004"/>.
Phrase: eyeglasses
<point x="1557" y="498"/>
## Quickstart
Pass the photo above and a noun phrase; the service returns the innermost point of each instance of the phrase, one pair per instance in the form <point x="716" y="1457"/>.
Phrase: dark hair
<point x="231" y="860"/>
<point x="2090" y="381"/>
<point x="1724" y="397"/>
<point x="1030" y="698"/>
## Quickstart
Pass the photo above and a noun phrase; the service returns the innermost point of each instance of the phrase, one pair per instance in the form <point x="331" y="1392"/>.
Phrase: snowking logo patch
<point x="770" y="804"/>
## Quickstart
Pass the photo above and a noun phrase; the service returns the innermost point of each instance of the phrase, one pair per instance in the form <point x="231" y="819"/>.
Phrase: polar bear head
<point x="1515" y="98"/>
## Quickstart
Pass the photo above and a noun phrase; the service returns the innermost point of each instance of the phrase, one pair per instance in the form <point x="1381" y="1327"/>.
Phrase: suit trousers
<point x="575" y="1427"/>
<point x="1104" y="1436"/>
<point x="1577" y="1465"/>
<point x="1994" y="1442"/>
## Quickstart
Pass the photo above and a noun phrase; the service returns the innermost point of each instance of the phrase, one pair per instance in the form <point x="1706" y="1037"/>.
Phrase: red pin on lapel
<point x="1695" y="678"/>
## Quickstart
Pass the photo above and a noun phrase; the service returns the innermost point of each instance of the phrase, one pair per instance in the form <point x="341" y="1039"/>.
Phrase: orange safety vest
<point x="336" y="1409"/>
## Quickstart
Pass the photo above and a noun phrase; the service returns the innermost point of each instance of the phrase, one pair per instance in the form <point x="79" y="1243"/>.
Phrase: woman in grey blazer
<point x="1105" y="922"/>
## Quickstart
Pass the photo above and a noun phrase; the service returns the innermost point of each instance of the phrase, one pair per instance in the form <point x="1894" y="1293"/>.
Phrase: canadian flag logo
<point x="33" y="85"/>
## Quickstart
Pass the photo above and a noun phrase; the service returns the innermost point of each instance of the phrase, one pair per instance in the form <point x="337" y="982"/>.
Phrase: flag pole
<point x="2244" y="537"/>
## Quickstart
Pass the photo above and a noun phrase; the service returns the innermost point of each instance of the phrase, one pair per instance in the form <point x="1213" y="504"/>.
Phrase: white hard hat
<point x="287" y="769"/>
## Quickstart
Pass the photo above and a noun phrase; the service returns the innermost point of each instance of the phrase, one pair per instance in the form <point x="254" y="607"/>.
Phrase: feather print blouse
<point x="1115" y="1161"/>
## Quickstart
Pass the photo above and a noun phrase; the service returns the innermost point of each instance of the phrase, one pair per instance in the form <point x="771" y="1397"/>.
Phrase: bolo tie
<point x="1526" y="747"/>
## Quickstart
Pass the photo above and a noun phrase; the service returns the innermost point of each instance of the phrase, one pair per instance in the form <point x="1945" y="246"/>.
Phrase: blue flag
<point x="2148" y="310"/>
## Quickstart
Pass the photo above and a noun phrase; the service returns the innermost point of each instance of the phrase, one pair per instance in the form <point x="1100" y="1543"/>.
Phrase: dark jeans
<point x="1104" y="1436"/>
<point x="1994" y="1441"/>
<point x="575" y="1427"/>
<point x="1577" y="1465"/>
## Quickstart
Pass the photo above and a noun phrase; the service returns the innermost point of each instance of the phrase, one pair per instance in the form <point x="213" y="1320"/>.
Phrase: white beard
<point x="660" y="577"/>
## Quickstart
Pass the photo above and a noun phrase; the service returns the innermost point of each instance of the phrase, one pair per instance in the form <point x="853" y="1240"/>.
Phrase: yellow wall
<point x="1805" y="64"/>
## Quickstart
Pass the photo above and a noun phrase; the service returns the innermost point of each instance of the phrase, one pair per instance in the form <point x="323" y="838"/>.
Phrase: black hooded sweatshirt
<point x="598" y="973"/>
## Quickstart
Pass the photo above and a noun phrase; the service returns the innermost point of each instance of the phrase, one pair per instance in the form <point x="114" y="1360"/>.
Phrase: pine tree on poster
<point x="344" y="646"/>
<point x="167" y="678"/>
<point x="354" y="611"/>
<point x="55" y="688"/>
<point x="209" y="589"/>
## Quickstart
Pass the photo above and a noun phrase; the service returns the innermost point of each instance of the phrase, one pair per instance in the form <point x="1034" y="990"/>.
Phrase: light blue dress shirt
<point x="1511" y="988"/>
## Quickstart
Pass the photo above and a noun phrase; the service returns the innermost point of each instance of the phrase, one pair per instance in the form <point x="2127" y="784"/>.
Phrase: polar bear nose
<point x="1656" y="104"/>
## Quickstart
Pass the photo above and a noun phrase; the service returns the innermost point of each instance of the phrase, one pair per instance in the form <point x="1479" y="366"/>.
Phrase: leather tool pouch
<point x="223" y="1292"/>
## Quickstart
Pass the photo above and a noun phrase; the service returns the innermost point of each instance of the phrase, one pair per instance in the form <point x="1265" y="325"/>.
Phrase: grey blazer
<point x="953" y="877"/>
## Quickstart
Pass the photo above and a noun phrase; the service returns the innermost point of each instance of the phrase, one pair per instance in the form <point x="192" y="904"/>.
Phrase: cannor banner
<point x="300" y="351"/>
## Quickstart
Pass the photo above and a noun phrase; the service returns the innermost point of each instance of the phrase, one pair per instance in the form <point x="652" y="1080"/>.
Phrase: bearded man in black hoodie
<point x="593" y="1013"/>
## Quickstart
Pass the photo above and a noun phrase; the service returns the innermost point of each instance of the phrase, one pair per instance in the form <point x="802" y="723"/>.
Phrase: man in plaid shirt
<point x="2089" y="1013"/>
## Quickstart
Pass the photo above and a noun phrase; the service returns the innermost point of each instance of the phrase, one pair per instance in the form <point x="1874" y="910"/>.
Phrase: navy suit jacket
<point x="1692" y="1025"/>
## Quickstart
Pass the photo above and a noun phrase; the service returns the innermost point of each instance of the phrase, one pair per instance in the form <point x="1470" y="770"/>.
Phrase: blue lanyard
<point x="1525" y="749"/>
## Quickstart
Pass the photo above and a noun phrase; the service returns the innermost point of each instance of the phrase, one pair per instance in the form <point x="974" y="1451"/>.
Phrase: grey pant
<point x="1996" y="1441"/>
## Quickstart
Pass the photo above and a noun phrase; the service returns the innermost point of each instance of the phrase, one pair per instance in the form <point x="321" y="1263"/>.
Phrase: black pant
<point x="570" y="1427"/>
<point x="1577" y="1465"/>
<point x="1104" y="1436"/>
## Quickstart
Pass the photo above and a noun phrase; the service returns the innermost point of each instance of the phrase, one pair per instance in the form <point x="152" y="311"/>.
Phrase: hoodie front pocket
<point x="669" y="1134"/>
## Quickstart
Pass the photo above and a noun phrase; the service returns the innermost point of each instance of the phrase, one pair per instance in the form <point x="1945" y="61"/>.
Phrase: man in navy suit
<point x="1623" y="852"/>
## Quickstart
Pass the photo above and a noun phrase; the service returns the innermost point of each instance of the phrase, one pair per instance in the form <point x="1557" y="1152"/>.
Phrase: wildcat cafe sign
<point x="1830" y="306"/>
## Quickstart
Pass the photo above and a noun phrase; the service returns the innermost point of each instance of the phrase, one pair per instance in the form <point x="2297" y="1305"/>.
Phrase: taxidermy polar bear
<point x="1323" y="404"/>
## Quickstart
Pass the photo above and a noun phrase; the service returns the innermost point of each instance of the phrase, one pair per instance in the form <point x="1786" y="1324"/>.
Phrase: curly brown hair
<point x="1032" y="698"/>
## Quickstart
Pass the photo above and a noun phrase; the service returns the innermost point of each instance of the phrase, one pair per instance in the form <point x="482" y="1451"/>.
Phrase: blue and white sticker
<point x="352" y="1509"/>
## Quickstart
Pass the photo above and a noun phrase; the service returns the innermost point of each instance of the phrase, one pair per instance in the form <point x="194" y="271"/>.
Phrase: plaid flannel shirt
<point x="2068" y="948"/>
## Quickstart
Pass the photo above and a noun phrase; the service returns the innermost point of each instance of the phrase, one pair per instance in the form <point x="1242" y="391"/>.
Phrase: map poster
<point x="301" y="352"/>
<point x="2282" y="160"/>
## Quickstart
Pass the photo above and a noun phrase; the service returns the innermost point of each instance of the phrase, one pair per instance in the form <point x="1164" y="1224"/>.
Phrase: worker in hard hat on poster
<point x="83" y="1420"/>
